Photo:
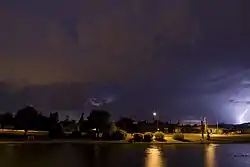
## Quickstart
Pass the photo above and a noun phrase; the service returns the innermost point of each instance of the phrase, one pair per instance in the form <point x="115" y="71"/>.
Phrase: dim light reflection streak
<point x="210" y="155"/>
<point x="154" y="157"/>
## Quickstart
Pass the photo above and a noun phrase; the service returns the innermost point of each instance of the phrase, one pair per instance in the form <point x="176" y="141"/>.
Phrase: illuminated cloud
<point x="174" y="55"/>
<point x="91" y="40"/>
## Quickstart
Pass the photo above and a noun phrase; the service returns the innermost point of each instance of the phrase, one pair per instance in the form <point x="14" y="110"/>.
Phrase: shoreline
<point x="189" y="139"/>
<point x="74" y="141"/>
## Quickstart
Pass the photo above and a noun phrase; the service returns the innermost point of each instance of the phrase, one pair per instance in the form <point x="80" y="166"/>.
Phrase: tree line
<point x="97" y="124"/>
<point x="28" y="118"/>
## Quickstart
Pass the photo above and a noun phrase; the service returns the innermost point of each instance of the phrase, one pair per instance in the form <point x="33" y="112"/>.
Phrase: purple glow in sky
<point x="183" y="58"/>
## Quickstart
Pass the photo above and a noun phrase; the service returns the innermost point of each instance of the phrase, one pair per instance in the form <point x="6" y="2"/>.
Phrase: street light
<point x="155" y="117"/>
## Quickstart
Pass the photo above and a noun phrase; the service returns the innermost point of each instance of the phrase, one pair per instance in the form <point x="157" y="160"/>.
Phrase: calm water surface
<point x="124" y="155"/>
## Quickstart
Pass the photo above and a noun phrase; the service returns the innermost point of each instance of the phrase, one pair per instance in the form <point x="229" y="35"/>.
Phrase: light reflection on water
<point x="154" y="157"/>
<point x="123" y="155"/>
<point x="210" y="155"/>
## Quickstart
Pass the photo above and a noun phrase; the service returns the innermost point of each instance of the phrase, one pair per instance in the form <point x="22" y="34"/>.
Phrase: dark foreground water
<point x="123" y="155"/>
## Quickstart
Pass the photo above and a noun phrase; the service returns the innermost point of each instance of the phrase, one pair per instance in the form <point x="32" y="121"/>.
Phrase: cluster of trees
<point x="96" y="126"/>
<point x="28" y="118"/>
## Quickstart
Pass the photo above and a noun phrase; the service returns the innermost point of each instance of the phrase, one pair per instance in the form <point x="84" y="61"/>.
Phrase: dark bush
<point x="138" y="137"/>
<point x="76" y="134"/>
<point x="11" y="136"/>
<point x="159" y="136"/>
<point x="119" y="135"/>
<point x="56" y="133"/>
<point x="91" y="135"/>
<point x="148" y="136"/>
<point x="178" y="136"/>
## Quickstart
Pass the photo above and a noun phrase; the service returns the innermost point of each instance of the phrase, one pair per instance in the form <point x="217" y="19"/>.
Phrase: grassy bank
<point x="216" y="139"/>
<point x="76" y="141"/>
<point x="17" y="137"/>
<point x="115" y="142"/>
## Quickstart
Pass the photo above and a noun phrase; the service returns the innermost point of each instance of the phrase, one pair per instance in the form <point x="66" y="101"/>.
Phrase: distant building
<point x="9" y="127"/>
<point x="190" y="122"/>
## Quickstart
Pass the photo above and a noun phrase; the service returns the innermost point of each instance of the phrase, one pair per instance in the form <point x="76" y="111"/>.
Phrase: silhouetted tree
<point x="54" y="117"/>
<point x="99" y="119"/>
<point x="26" y="118"/>
<point x="69" y="125"/>
<point x="171" y="128"/>
<point x="42" y="122"/>
<point x="82" y="124"/>
<point x="81" y="118"/>
<point x="126" y="124"/>
<point x="143" y="126"/>
<point x="55" y="129"/>
<point x="6" y="119"/>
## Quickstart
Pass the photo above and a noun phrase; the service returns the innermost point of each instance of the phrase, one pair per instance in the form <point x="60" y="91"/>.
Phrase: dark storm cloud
<point x="173" y="55"/>
<point x="104" y="38"/>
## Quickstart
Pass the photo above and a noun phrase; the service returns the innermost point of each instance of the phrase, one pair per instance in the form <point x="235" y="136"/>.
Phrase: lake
<point x="124" y="155"/>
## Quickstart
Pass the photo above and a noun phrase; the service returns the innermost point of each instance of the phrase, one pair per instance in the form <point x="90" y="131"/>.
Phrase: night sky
<point x="185" y="59"/>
